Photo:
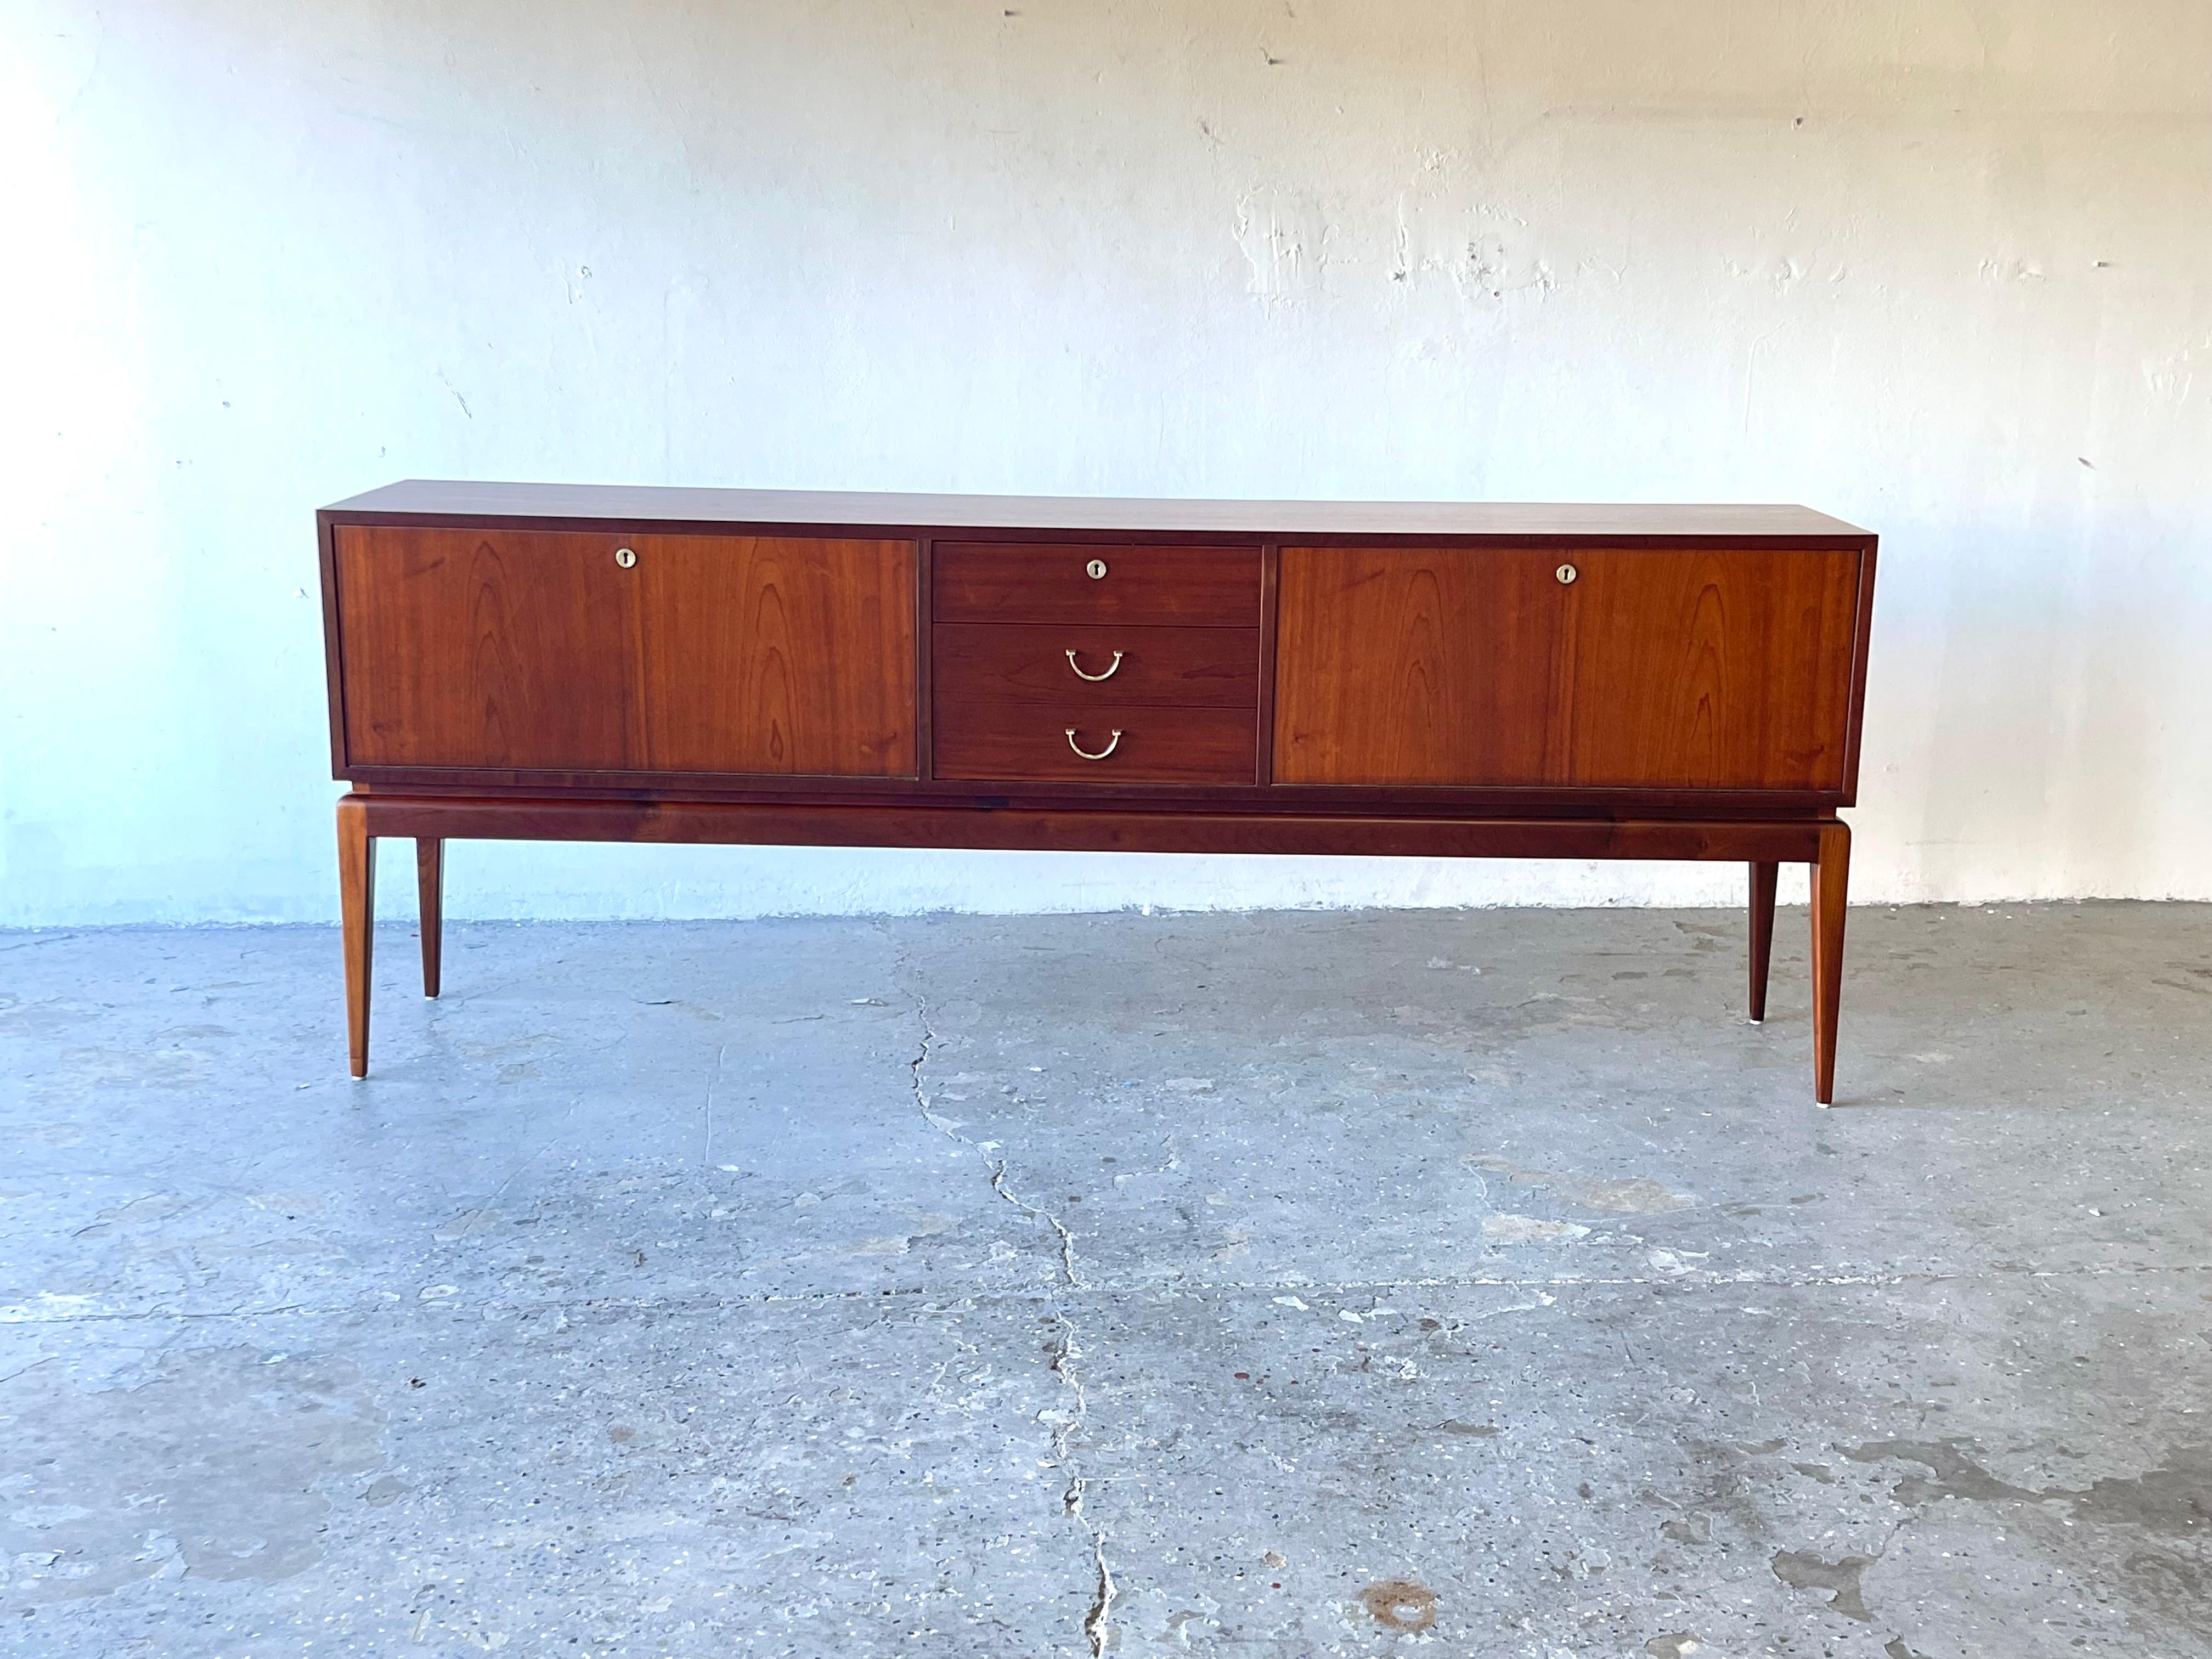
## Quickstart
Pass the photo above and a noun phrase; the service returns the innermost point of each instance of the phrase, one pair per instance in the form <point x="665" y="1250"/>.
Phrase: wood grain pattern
<point x="1353" y="799"/>
<point x="430" y="895"/>
<point x="1271" y="573"/>
<point x="469" y="647"/>
<point x="788" y="657"/>
<point x="1024" y="741"/>
<point x="1419" y="667"/>
<point x="1047" y="582"/>
<point x="729" y="654"/>
<point x="643" y="506"/>
<point x="1402" y="680"/>
<point x="1655" y="668"/>
<point x="362" y="818"/>
<point x="1710" y="669"/>
<point x="357" y="922"/>
<point x="1862" y="640"/>
<point x="1832" y="880"/>
<point x="1102" y="828"/>
<point x="1025" y="662"/>
<point x="1764" y="875"/>
<point x="924" y="692"/>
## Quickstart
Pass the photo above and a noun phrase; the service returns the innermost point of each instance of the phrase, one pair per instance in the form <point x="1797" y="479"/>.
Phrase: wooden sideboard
<point x="577" y="662"/>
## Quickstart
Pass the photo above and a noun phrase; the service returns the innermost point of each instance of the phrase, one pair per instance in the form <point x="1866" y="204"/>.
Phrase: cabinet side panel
<point x="1726" y="669"/>
<point x="464" y="648"/>
<point x="790" y="656"/>
<point x="1417" y="666"/>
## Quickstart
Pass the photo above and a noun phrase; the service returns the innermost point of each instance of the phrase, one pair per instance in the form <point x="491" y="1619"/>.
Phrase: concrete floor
<point x="1478" y="1284"/>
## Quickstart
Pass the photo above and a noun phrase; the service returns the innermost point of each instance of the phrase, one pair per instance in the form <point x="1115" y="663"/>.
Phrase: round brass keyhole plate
<point x="1095" y="569"/>
<point x="625" y="558"/>
<point x="1566" y="573"/>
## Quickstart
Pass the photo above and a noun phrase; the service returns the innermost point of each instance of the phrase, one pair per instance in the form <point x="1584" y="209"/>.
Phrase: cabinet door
<point x="1711" y="670"/>
<point x="790" y="655"/>
<point x="1654" y="668"/>
<point x="1418" y="666"/>
<point x="487" y="648"/>
<point x="540" y="650"/>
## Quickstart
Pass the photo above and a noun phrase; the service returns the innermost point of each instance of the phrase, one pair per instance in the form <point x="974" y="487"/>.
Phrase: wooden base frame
<point x="1824" y="844"/>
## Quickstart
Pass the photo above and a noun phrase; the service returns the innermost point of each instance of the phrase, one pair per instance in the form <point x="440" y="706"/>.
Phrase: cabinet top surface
<point x="1280" y="520"/>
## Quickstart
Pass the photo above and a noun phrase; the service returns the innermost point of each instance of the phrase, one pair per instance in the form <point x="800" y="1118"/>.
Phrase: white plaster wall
<point x="1943" y="269"/>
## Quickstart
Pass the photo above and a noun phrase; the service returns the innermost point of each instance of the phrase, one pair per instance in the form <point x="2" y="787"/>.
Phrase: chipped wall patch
<point x="1284" y="237"/>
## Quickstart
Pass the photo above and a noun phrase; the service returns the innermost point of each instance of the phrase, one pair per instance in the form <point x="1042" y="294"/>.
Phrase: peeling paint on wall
<point x="1284" y="237"/>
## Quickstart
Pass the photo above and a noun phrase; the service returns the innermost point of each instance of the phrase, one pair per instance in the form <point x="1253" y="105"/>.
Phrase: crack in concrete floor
<point x="1067" y="1354"/>
<point x="2024" y="1325"/>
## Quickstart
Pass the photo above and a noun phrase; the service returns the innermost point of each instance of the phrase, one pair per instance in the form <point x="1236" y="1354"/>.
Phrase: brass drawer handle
<point x="1086" y="753"/>
<point x="1111" y="668"/>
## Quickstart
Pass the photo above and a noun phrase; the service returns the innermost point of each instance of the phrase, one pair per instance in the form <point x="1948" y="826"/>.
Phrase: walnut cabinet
<point x="516" y="661"/>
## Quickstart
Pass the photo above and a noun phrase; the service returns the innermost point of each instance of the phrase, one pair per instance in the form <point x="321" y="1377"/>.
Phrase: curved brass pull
<point x="1111" y="668"/>
<point x="1086" y="753"/>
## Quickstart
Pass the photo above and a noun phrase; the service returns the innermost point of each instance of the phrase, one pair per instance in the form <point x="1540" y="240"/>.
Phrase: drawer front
<point x="1051" y="582"/>
<point x="1647" y="668"/>
<point x="1081" y="664"/>
<point x="602" y="650"/>
<point x="1014" y="742"/>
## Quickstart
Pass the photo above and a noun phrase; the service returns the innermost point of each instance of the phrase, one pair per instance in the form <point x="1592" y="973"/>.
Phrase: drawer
<point x="1010" y="742"/>
<point x="1082" y="664"/>
<point x="1051" y="581"/>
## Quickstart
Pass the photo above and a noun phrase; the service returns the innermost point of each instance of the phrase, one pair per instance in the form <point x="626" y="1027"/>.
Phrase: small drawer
<point x="1011" y="742"/>
<point x="1081" y="664"/>
<point x="1052" y="582"/>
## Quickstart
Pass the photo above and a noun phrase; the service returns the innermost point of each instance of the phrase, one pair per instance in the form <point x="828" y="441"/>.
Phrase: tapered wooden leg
<point x="430" y="884"/>
<point x="357" y="908"/>
<point x="1832" y="880"/>
<point x="1762" y="934"/>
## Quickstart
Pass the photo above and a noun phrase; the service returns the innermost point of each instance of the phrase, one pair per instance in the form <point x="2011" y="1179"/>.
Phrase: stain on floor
<point x="223" y="1464"/>
<point x="1840" y="1578"/>
<point x="1400" y="1604"/>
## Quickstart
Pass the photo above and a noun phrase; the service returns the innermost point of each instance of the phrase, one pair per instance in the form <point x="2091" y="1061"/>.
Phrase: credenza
<point x="602" y="663"/>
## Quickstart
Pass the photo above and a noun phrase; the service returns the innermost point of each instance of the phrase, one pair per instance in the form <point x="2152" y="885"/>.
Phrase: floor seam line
<point x="1292" y="1286"/>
